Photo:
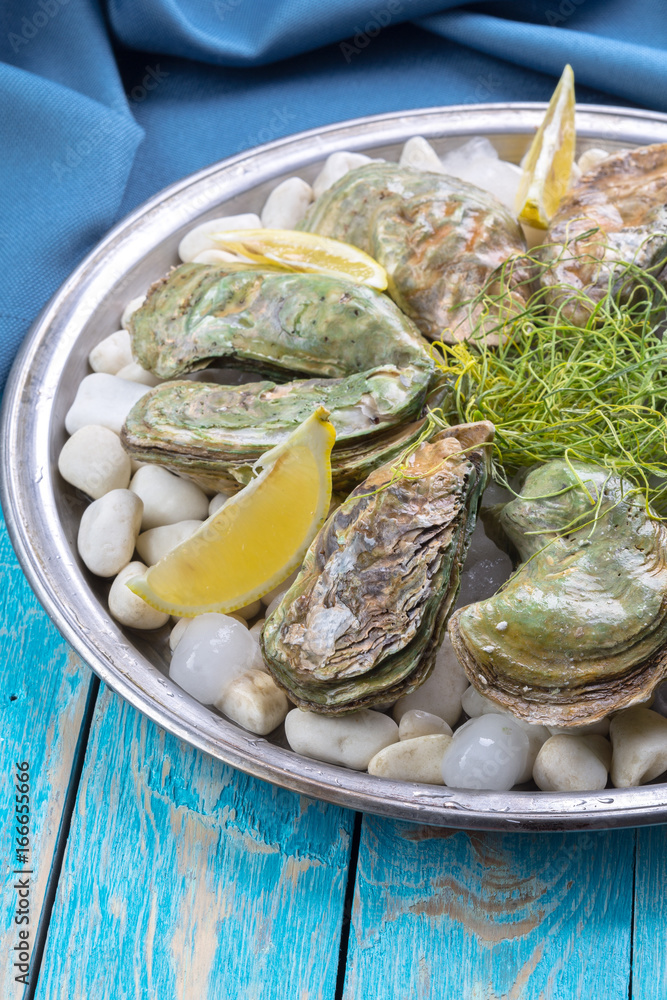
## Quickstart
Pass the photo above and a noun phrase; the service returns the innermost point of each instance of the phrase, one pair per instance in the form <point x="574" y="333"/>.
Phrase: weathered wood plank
<point x="649" y="965"/>
<point x="186" y="879"/>
<point x="472" y="916"/>
<point x="43" y="691"/>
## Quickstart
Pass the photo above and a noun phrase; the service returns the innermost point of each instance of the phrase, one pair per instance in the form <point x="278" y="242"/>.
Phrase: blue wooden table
<point x="157" y="872"/>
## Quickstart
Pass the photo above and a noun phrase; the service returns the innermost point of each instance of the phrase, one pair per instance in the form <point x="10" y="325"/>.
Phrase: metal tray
<point x="42" y="511"/>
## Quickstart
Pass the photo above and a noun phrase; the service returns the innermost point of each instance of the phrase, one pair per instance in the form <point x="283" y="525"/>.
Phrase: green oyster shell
<point x="580" y="629"/>
<point x="439" y="239"/>
<point x="277" y="323"/>
<point x="361" y="624"/>
<point x="215" y="433"/>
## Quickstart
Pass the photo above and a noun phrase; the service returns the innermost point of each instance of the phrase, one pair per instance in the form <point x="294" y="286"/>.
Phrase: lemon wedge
<point x="548" y="165"/>
<point x="256" y="538"/>
<point x="297" y="251"/>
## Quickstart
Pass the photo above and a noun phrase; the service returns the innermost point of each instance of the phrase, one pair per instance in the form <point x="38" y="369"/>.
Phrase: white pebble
<point x="286" y="205"/>
<point x="200" y="238"/>
<point x="103" y="399"/>
<point x="573" y="764"/>
<point x="108" y="532"/>
<point x="154" y="544"/>
<point x="489" y="752"/>
<point x="478" y="163"/>
<point x="279" y="589"/>
<point x="351" y="740"/>
<point x="176" y="633"/>
<point x="167" y="498"/>
<point x="419" y="154"/>
<point x="336" y="166"/>
<point x="94" y="461"/>
<point x="213" y="651"/>
<point x="250" y="610"/>
<point x="216" y="257"/>
<point x="416" y="723"/>
<point x="255" y="702"/>
<point x="419" y="759"/>
<point x="130" y="310"/>
<point x="600" y="728"/>
<point x="639" y="739"/>
<point x="257" y="628"/>
<point x="275" y="602"/>
<point x="112" y="353"/>
<point x="537" y="737"/>
<point x="135" y="373"/>
<point x="475" y="704"/>
<point x="217" y="501"/>
<point x="591" y="158"/>
<point x="441" y="691"/>
<point x="127" y="608"/>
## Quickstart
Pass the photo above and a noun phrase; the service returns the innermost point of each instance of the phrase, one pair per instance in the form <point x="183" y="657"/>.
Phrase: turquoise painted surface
<point x="43" y="691"/>
<point x="472" y="916"/>
<point x="184" y="879"/>
<point x="649" y="965"/>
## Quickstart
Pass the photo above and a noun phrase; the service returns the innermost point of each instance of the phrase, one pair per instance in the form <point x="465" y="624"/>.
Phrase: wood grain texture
<point x="187" y="880"/>
<point x="649" y="965"/>
<point x="473" y="916"/>
<point x="43" y="691"/>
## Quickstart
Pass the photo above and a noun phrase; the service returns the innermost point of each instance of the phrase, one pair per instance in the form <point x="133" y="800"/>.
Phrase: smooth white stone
<point x="639" y="739"/>
<point x="176" y="633"/>
<point x="591" y="158"/>
<point x="103" y="399"/>
<point x="257" y="628"/>
<point x="573" y="764"/>
<point x="286" y="205"/>
<point x="108" y="532"/>
<point x="135" y="373"/>
<point x="200" y="238"/>
<point x="217" y="501"/>
<point x="167" y="498"/>
<point x="419" y="154"/>
<point x="600" y="728"/>
<point x="475" y="704"/>
<point x="351" y="740"/>
<point x="127" y="608"/>
<point x="94" y="461"/>
<point x="478" y="163"/>
<point x="418" y="759"/>
<point x="279" y="589"/>
<point x="112" y="353"/>
<point x="441" y="691"/>
<point x="250" y="610"/>
<point x="488" y="752"/>
<point x="415" y="723"/>
<point x="216" y="257"/>
<point x="130" y="310"/>
<point x="212" y="652"/>
<point x="537" y="737"/>
<point x="336" y="166"/>
<point x="154" y="544"/>
<point x="255" y="702"/>
<point x="275" y="602"/>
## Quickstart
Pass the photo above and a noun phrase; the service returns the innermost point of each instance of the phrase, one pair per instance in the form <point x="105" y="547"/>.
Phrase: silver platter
<point x="42" y="512"/>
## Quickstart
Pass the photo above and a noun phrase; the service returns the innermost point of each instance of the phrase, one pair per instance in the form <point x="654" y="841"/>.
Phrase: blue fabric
<point x="100" y="108"/>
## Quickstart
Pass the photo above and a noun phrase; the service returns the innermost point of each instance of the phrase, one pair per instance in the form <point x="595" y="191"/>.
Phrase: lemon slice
<point x="548" y="165"/>
<point x="297" y="251"/>
<point x="256" y="538"/>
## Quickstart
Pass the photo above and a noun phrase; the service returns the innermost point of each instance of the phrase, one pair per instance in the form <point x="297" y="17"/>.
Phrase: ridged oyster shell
<point x="361" y="624"/>
<point x="439" y="239"/>
<point x="580" y="630"/>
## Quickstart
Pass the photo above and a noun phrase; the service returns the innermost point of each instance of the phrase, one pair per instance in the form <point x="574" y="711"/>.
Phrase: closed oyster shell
<point x="361" y="624"/>
<point x="580" y="630"/>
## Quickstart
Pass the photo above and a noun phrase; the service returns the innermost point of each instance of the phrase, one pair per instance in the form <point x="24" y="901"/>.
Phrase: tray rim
<point x="37" y="535"/>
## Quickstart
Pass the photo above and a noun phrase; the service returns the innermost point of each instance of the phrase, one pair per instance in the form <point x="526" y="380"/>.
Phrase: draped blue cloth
<point x="100" y="107"/>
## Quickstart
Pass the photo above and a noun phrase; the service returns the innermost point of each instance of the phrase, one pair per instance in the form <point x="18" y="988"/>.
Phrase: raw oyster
<point x="580" y="630"/>
<point x="439" y="239"/>
<point x="619" y="208"/>
<point x="214" y="434"/>
<point x="362" y="622"/>
<point x="273" y="322"/>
